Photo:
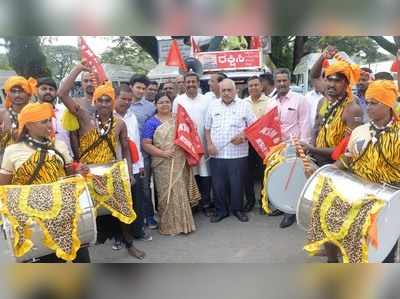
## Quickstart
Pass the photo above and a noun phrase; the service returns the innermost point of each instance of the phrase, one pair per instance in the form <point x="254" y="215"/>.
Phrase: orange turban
<point x="106" y="89"/>
<point x="351" y="71"/>
<point x="383" y="91"/>
<point x="28" y="85"/>
<point x="34" y="112"/>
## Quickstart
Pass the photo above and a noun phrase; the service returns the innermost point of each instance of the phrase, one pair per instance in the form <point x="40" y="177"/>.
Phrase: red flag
<point x="395" y="66"/>
<point x="174" y="57"/>
<point x="195" y="47"/>
<point x="133" y="150"/>
<point x="265" y="132"/>
<point x="88" y="55"/>
<point x="187" y="138"/>
<point x="255" y="42"/>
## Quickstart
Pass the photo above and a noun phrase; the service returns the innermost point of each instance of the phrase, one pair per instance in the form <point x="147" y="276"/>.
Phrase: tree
<point x="4" y="64"/>
<point x="127" y="52"/>
<point x="61" y="59"/>
<point x="386" y="44"/>
<point x="26" y="57"/>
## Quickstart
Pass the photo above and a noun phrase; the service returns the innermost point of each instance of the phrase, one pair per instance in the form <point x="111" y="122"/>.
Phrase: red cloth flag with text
<point x="174" y="57"/>
<point x="91" y="59"/>
<point x="187" y="138"/>
<point x="265" y="133"/>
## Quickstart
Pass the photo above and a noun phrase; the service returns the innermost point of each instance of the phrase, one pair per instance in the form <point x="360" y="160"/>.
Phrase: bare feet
<point x="134" y="252"/>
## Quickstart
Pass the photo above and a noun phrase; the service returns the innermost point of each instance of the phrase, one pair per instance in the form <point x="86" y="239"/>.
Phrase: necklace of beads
<point x="377" y="131"/>
<point x="13" y="118"/>
<point x="37" y="144"/>
<point x="103" y="128"/>
<point x="329" y="114"/>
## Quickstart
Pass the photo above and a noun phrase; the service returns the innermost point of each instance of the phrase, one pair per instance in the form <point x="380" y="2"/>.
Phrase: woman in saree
<point x="174" y="180"/>
<point x="37" y="158"/>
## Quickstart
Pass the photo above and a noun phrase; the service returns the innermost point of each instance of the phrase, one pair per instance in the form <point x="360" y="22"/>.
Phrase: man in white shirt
<point x="314" y="96"/>
<point x="215" y="89"/>
<point x="228" y="147"/>
<point x="196" y="106"/>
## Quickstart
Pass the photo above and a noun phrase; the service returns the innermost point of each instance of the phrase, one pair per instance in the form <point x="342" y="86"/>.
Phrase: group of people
<point x="43" y="140"/>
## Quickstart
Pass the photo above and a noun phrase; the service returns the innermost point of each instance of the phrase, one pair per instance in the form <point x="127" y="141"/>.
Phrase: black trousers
<point x="145" y="182"/>
<point x="204" y="184"/>
<point x="228" y="178"/>
<point x="255" y="174"/>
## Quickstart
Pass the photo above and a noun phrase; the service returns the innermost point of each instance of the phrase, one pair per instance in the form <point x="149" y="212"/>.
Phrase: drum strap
<point x="41" y="163"/>
<point x="98" y="142"/>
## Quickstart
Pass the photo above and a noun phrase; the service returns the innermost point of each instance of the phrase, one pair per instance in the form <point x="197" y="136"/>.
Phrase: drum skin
<point x="87" y="231"/>
<point x="353" y="188"/>
<point x="285" y="197"/>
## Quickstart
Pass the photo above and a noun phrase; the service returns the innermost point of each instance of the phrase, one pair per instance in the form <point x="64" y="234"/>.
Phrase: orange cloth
<point x="34" y="112"/>
<point x="383" y="91"/>
<point x="28" y="85"/>
<point x="373" y="231"/>
<point x="106" y="89"/>
<point x="350" y="71"/>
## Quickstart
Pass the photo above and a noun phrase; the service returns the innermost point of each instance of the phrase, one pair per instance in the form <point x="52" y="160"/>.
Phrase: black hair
<point x="254" y="78"/>
<point x="161" y="95"/>
<point x="122" y="88"/>
<point x="366" y="69"/>
<point x="139" y="79"/>
<point x="383" y="76"/>
<point x="47" y="81"/>
<point x="152" y="82"/>
<point x="282" y="71"/>
<point x="191" y="74"/>
<point x="269" y="77"/>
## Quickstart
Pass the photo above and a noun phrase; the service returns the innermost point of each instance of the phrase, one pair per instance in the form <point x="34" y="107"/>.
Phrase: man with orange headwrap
<point x="37" y="158"/>
<point x="18" y="93"/>
<point x="373" y="150"/>
<point x="103" y="138"/>
<point x="338" y="112"/>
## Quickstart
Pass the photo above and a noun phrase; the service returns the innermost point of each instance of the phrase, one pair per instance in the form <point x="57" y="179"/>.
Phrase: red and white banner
<point x="187" y="137"/>
<point x="92" y="60"/>
<point x="265" y="133"/>
<point x="230" y="60"/>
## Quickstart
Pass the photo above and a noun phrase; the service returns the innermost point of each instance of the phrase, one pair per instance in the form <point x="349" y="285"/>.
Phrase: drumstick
<point x="290" y="174"/>
<point x="300" y="151"/>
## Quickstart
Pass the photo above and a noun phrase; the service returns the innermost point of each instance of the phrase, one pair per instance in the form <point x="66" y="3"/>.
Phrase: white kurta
<point x="197" y="110"/>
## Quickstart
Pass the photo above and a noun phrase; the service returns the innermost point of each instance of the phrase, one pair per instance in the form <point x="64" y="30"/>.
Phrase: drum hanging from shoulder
<point x="110" y="188"/>
<point x="336" y="199"/>
<point x="285" y="180"/>
<point x="43" y="219"/>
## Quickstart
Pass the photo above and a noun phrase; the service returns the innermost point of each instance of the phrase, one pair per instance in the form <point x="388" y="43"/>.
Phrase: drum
<point x="354" y="188"/>
<point x="286" y="180"/>
<point x="111" y="190"/>
<point x="87" y="232"/>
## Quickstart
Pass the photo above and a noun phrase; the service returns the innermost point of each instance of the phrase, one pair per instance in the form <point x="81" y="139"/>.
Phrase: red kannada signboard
<point x="230" y="60"/>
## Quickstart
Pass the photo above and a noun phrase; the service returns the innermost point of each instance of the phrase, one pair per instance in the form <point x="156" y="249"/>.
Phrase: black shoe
<point x="208" y="212"/>
<point x="288" y="220"/>
<point x="276" y="213"/>
<point x="217" y="218"/>
<point x="241" y="216"/>
<point x="248" y="207"/>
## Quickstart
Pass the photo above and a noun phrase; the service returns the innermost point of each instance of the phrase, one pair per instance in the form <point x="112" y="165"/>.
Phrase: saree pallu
<point x="175" y="184"/>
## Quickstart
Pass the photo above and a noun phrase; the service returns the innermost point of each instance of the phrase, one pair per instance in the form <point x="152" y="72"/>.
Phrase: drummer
<point x="336" y="111"/>
<point x="373" y="149"/>
<point x="18" y="94"/>
<point x="36" y="158"/>
<point x="103" y="138"/>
